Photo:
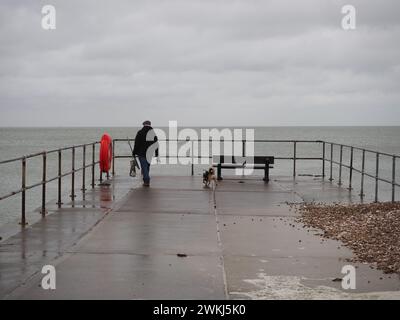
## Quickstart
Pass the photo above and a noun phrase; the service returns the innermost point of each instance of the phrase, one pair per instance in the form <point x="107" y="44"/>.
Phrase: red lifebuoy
<point x="105" y="153"/>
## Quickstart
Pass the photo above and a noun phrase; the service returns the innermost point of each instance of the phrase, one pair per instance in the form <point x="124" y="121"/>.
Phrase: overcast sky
<point x="217" y="63"/>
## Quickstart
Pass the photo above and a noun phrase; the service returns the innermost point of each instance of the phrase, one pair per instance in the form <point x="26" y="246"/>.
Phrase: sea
<point x="17" y="142"/>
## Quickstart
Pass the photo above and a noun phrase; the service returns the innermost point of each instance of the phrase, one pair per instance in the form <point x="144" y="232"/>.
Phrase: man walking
<point x="145" y="145"/>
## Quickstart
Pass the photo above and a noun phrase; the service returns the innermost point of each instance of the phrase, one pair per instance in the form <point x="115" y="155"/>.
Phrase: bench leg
<point x="266" y="173"/>
<point x="219" y="172"/>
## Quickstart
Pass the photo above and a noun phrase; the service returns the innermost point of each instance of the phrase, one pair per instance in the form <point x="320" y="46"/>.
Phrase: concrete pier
<point x="177" y="240"/>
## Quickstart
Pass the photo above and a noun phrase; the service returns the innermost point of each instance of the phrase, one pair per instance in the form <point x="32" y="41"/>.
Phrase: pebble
<point x="371" y="230"/>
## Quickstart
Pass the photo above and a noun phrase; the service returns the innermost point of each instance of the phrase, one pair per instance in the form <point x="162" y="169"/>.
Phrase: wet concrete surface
<point x="275" y="238"/>
<point x="168" y="200"/>
<point x="303" y="274"/>
<point x="153" y="233"/>
<point x="273" y="203"/>
<point x="312" y="189"/>
<point x="24" y="253"/>
<point x="131" y="276"/>
<point x="248" y="247"/>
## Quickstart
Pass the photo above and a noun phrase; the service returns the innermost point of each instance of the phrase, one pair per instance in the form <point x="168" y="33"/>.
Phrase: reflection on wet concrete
<point x="24" y="253"/>
<point x="106" y="196"/>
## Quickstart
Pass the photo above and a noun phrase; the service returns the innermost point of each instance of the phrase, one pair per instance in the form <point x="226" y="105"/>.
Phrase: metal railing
<point x="362" y="171"/>
<point x="294" y="144"/>
<point x="294" y="159"/>
<point x="323" y="158"/>
<point x="43" y="183"/>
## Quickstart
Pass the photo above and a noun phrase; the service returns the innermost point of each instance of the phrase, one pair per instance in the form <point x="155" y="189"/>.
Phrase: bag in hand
<point x="134" y="165"/>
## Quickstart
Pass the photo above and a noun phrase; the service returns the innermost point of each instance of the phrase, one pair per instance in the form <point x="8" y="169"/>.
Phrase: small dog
<point x="209" y="177"/>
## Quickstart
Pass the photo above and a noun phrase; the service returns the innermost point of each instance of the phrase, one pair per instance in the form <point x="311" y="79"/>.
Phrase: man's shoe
<point x="146" y="184"/>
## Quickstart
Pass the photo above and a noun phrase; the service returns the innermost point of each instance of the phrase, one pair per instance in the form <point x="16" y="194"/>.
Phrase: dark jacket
<point x="144" y="139"/>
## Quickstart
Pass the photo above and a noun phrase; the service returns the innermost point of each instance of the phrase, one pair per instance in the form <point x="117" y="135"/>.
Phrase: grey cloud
<point x="252" y="62"/>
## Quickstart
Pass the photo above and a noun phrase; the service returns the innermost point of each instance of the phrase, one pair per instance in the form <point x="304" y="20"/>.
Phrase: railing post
<point x="84" y="169"/>
<point x="73" y="175"/>
<point x="93" y="163"/>
<point x="244" y="148"/>
<point x="59" y="203"/>
<point x="113" y="158"/>
<point x="323" y="159"/>
<point x="340" y="165"/>
<point x="331" y="165"/>
<point x="23" y="193"/>
<point x="44" y="178"/>
<point x="394" y="179"/>
<point x="351" y="168"/>
<point x="192" y="158"/>
<point x="376" y="177"/>
<point x="294" y="157"/>
<point x="362" y="174"/>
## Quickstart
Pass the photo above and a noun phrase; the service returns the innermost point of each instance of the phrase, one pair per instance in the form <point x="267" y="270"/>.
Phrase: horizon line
<point x="199" y="126"/>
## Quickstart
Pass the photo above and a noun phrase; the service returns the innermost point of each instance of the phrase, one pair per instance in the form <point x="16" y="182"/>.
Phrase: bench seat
<point x="237" y="165"/>
<point x="260" y="162"/>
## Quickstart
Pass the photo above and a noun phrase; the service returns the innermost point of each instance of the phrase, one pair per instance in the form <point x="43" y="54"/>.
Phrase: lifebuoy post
<point x="105" y="155"/>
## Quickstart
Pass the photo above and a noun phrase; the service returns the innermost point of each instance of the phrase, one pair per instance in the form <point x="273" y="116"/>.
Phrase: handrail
<point x="323" y="158"/>
<point x="243" y="141"/>
<point x="376" y="176"/>
<point x="33" y="155"/>
<point x="362" y="149"/>
<point x="58" y="177"/>
<point x="230" y="140"/>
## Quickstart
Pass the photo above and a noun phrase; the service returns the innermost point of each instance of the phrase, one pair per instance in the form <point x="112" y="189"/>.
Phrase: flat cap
<point x="147" y="123"/>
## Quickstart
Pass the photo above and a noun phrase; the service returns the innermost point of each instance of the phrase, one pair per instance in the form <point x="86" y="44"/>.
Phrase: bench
<point x="259" y="162"/>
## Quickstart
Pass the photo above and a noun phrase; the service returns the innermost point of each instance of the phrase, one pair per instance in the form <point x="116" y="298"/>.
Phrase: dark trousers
<point x="145" y="166"/>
